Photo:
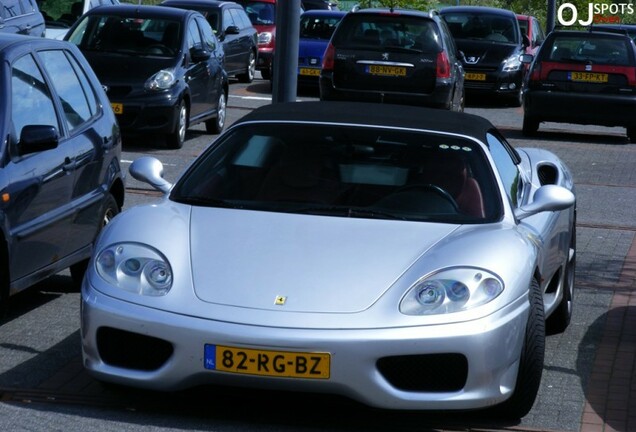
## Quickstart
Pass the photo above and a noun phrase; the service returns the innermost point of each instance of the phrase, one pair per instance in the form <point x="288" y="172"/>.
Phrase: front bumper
<point x="366" y="365"/>
<point x="492" y="81"/>
<point x="150" y="113"/>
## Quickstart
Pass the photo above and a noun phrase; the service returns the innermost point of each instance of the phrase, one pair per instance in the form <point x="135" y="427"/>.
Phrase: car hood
<point x="302" y="263"/>
<point x="485" y="53"/>
<point x="118" y="68"/>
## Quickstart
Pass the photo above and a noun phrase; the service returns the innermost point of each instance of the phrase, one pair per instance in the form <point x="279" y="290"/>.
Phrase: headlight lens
<point x="264" y="38"/>
<point x="135" y="268"/>
<point x="452" y="290"/>
<point x="512" y="63"/>
<point x="162" y="80"/>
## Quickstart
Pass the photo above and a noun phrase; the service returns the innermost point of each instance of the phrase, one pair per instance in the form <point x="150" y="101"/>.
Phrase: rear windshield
<point x="399" y="31"/>
<point x="344" y="171"/>
<point x="483" y="26"/>
<point x="317" y="26"/>
<point x="586" y="48"/>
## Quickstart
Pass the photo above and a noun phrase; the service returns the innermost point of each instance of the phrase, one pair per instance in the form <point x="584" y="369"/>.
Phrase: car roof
<point x="395" y="11"/>
<point x="202" y="3"/>
<point x="324" y="12"/>
<point x="9" y="39"/>
<point x="131" y="10"/>
<point x="360" y="113"/>
<point x="483" y="9"/>
<point x="587" y="33"/>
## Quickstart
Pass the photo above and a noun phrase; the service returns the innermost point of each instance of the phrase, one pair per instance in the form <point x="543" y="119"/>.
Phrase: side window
<point x="194" y="37"/>
<point x="27" y="6"/>
<point x="11" y="8"/>
<point x="227" y="19"/>
<point x="241" y="19"/>
<point x="31" y="101"/>
<point x="506" y="166"/>
<point x="209" y="40"/>
<point x="538" y="31"/>
<point x="73" y="95"/>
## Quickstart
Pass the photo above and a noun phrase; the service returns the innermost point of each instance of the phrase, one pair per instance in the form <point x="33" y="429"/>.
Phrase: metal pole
<point x="285" y="62"/>
<point x="550" y="17"/>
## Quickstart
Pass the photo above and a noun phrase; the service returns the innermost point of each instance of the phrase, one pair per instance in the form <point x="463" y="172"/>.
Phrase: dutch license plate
<point x="588" y="77"/>
<point x="386" y="70"/>
<point x="471" y="76"/>
<point x="309" y="72"/>
<point x="117" y="108"/>
<point x="269" y="363"/>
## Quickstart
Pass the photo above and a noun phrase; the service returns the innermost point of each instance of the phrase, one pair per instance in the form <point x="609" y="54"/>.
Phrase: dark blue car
<point x="316" y="28"/>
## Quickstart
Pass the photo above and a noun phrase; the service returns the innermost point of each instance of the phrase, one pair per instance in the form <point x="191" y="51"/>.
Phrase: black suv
<point x="21" y="17"/>
<point x="234" y="30"/>
<point x="393" y="56"/>
<point x="60" y="177"/>
<point x="492" y="44"/>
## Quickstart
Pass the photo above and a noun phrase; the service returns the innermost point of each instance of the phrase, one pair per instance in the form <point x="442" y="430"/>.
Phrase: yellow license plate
<point x="117" y="108"/>
<point x="588" y="77"/>
<point x="471" y="76"/>
<point x="386" y="70"/>
<point x="268" y="363"/>
<point x="309" y="72"/>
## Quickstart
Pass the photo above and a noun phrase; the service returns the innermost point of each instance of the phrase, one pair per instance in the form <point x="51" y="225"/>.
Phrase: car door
<point x="90" y="143"/>
<point x="198" y="74"/>
<point x="231" y="41"/>
<point x="38" y="199"/>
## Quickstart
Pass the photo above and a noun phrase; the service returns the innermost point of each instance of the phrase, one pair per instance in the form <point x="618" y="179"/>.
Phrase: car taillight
<point x="443" y="65"/>
<point x="631" y="76"/>
<point x="328" y="58"/>
<point x="535" y="75"/>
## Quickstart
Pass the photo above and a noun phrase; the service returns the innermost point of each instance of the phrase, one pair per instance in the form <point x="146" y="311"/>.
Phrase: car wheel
<point x="250" y="70"/>
<point x="4" y="281"/>
<point x="109" y="211"/>
<point x="530" y="125"/>
<point x="561" y="317"/>
<point x="176" y="139"/>
<point x="530" y="362"/>
<point x="215" y="125"/>
<point x="266" y="74"/>
<point x="631" y="134"/>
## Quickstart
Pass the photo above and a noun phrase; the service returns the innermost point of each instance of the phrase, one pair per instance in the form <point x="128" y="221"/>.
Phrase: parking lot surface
<point x="587" y="385"/>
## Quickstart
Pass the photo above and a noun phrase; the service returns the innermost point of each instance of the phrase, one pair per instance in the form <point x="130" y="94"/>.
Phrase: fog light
<point x="512" y="86"/>
<point x="503" y="86"/>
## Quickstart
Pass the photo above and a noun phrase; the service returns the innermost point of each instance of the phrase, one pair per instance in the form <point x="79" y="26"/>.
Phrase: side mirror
<point x="199" y="55"/>
<point x="547" y="198"/>
<point x="232" y="30"/>
<point x="149" y="170"/>
<point x="526" y="58"/>
<point x="37" y="138"/>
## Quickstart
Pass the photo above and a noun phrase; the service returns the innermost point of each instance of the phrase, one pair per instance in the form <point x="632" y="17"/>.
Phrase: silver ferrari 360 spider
<point x="404" y="257"/>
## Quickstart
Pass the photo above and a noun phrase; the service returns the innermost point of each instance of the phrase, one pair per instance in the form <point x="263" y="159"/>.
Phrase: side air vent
<point x="548" y="174"/>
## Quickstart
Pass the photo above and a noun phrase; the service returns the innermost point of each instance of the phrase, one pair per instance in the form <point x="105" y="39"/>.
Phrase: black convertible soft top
<point x="373" y="114"/>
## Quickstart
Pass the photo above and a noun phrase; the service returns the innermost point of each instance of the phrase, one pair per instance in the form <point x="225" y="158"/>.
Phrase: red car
<point x="531" y="27"/>
<point x="262" y="14"/>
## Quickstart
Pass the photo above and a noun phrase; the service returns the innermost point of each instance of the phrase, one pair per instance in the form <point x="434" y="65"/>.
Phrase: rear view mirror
<point x="36" y="138"/>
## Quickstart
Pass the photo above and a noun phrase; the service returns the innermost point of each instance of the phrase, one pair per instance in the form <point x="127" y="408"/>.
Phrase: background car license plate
<point x="309" y="71"/>
<point x="269" y="363"/>
<point x="471" y="76"/>
<point x="117" y="108"/>
<point x="588" y="77"/>
<point x="386" y="70"/>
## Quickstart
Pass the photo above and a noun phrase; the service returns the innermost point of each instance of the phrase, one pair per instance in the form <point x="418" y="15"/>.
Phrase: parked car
<point x="60" y="15"/>
<point x="582" y="77"/>
<point x="319" y="5"/>
<point x="60" y="178"/>
<point x="628" y="29"/>
<point x="393" y="56"/>
<point x="531" y="28"/>
<point x="316" y="28"/>
<point x="233" y="29"/>
<point x="262" y="15"/>
<point x="392" y="258"/>
<point x="21" y="17"/>
<point x="492" y="44"/>
<point x="162" y="67"/>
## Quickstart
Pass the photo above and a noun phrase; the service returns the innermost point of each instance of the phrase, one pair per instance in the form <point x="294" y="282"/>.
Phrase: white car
<point x="405" y="257"/>
<point x="60" y="16"/>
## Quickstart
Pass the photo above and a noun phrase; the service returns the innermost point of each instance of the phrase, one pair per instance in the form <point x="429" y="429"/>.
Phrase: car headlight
<point x="512" y="63"/>
<point x="135" y="268"/>
<point x="264" y="38"/>
<point x="449" y="291"/>
<point x="162" y="80"/>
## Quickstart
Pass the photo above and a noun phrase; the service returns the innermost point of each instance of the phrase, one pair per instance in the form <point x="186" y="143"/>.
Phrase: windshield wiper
<point x="348" y="212"/>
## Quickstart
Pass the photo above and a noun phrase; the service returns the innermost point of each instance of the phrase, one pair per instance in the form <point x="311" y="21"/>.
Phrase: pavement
<point x="588" y="384"/>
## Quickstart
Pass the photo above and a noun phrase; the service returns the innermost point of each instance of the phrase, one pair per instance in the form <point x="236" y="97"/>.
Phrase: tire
<point x="250" y="70"/>
<point x="215" y="125"/>
<point x="109" y="211"/>
<point x="530" y="362"/>
<point x="266" y="74"/>
<point x="5" y="281"/>
<point x="530" y="125"/>
<point x="176" y="138"/>
<point x="631" y="134"/>
<point x="561" y="317"/>
<point x="516" y="100"/>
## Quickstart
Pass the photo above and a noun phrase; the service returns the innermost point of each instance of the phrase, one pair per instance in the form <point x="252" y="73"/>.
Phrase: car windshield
<point x="127" y="35"/>
<point x="318" y="27"/>
<point x="346" y="171"/>
<point x="260" y="13"/>
<point x="586" y="48"/>
<point x="481" y="26"/>
<point x="367" y="31"/>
